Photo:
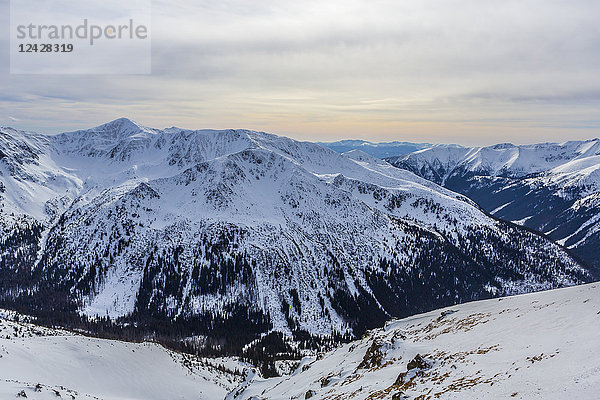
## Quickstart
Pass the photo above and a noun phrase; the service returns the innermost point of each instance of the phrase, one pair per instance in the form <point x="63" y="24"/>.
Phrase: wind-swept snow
<point x="542" y="345"/>
<point x="536" y="346"/>
<point x="46" y="363"/>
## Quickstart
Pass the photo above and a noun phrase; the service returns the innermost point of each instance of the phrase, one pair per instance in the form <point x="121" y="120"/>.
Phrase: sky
<point x="473" y="72"/>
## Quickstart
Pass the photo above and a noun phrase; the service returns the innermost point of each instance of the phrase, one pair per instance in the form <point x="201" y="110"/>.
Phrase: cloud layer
<point x="469" y="71"/>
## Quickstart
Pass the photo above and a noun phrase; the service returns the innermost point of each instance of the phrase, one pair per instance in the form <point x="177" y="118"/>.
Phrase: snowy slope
<point x="127" y="220"/>
<point x="550" y="187"/>
<point x="542" y="345"/>
<point x="48" y="364"/>
<point x="535" y="346"/>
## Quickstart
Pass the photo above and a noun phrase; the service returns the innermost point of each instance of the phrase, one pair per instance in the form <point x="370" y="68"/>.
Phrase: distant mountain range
<point x="381" y="149"/>
<point x="553" y="188"/>
<point x="238" y="232"/>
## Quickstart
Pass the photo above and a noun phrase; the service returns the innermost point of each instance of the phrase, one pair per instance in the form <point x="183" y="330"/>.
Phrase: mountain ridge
<point x="379" y="149"/>
<point x="550" y="187"/>
<point x="241" y="227"/>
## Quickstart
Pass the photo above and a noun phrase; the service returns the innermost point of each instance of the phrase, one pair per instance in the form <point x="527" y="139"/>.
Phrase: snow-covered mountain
<point x="541" y="345"/>
<point x="242" y="231"/>
<point x="550" y="187"/>
<point x="378" y="149"/>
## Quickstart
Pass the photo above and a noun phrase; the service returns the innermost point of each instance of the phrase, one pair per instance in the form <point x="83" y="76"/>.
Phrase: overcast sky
<point x="450" y="71"/>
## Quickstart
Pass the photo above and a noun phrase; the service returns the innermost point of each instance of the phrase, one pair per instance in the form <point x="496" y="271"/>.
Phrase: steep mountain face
<point x="245" y="231"/>
<point x="552" y="188"/>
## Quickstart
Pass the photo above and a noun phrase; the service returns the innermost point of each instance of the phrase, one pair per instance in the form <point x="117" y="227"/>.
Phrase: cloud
<point x="479" y="70"/>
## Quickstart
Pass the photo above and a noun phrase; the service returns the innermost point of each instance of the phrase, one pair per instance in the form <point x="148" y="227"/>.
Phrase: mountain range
<point x="552" y="188"/>
<point x="376" y="149"/>
<point x="235" y="233"/>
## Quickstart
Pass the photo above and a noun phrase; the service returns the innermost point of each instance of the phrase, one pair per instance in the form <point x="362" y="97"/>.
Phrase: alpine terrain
<point x="540" y="345"/>
<point x="534" y="346"/>
<point x="222" y="236"/>
<point x="550" y="187"/>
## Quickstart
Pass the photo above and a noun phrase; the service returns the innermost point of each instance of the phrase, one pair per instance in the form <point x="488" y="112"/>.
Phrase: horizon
<point x="362" y="139"/>
<point x="474" y="73"/>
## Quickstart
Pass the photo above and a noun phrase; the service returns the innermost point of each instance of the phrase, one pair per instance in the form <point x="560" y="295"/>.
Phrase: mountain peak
<point x="117" y="129"/>
<point x="359" y="155"/>
<point x="503" y="146"/>
<point x="123" y="120"/>
<point x="124" y="125"/>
